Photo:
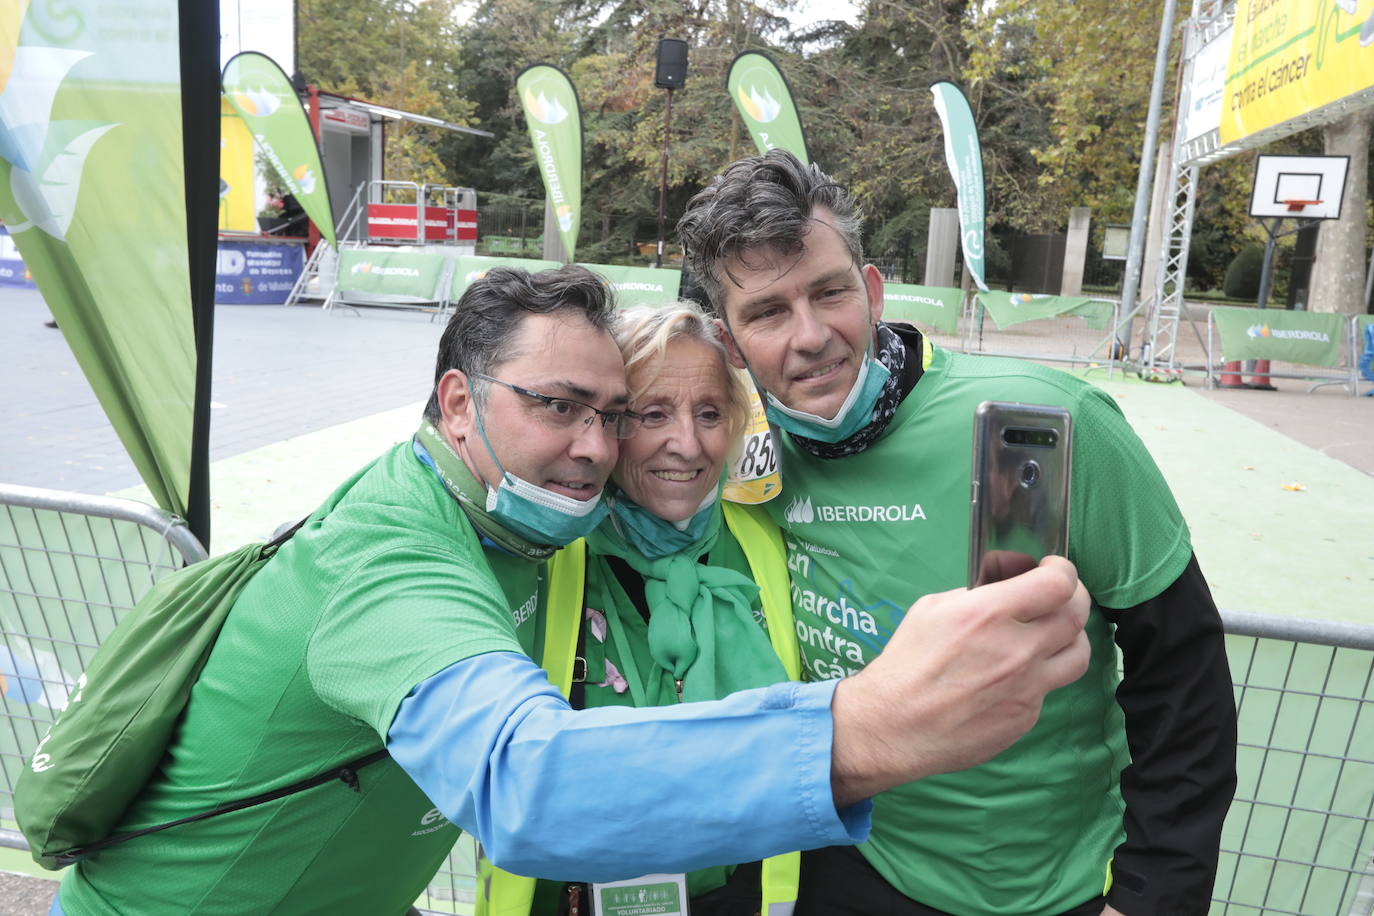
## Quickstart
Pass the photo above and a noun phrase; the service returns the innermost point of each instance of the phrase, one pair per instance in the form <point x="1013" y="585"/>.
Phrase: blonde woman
<point x="686" y="596"/>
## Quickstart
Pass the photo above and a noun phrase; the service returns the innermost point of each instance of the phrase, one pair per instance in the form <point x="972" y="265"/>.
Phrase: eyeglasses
<point x="566" y="414"/>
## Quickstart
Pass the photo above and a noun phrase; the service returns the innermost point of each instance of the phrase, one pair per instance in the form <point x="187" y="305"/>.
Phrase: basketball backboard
<point x="1317" y="181"/>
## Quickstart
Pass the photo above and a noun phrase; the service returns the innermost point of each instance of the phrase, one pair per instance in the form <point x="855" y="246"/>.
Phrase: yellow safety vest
<point x="500" y="893"/>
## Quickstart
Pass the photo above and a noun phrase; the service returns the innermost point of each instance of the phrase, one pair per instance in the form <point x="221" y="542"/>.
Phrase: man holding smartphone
<point x="1112" y="803"/>
<point x="409" y="614"/>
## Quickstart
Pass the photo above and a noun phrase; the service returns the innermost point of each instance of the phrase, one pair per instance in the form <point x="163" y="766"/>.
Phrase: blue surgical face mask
<point x="536" y="514"/>
<point x="854" y="414"/>
<point x="656" y="537"/>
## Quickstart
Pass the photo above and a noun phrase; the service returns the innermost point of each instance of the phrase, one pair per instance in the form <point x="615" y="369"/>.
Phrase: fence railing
<point x="1298" y="840"/>
<point x="1300" y="834"/>
<point x="1328" y="341"/>
<point x="70" y="566"/>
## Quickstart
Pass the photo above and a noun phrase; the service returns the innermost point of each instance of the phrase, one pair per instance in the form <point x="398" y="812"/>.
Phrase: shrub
<point x="1243" y="275"/>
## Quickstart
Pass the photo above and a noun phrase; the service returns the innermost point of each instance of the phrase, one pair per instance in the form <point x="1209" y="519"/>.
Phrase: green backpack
<point x="105" y="746"/>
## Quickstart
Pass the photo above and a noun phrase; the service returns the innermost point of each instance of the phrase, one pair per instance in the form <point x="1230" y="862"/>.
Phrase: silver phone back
<point x="1019" y="501"/>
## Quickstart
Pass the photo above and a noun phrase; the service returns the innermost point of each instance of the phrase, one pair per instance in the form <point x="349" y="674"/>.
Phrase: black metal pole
<point x="1267" y="267"/>
<point x="200" y="88"/>
<point x="663" y="180"/>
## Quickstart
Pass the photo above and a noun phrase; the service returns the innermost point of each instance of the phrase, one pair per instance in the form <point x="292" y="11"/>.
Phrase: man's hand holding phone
<point x="962" y="678"/>
<point x="1019" y="488"/>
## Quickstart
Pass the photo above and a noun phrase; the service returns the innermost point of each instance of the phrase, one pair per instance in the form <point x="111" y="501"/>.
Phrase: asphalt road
<point x="278" y="373"/>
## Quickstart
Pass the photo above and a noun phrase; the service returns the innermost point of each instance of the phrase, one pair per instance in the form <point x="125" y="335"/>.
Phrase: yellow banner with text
<point x="1289" y="57"/>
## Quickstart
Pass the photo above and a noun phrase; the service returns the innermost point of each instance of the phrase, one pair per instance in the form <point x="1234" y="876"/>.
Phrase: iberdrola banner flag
<point x="109" y="138"/>
<point x="764" y="100"/>
<point x="965" y="159"/>
<point x="554" y="117"/>
<point x="262" y="95"/>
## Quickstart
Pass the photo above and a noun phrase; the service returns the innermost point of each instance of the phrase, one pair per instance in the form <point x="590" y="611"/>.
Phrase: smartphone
<point x="1019" y="499"/>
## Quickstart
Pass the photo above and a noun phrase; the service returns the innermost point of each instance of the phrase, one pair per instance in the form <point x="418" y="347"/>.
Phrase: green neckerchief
<point x="471" y="494"/>
<point x="701" y="632"/>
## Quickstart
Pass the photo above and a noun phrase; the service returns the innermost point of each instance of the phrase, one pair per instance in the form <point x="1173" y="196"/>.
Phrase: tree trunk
<point x="1339" y="267"/>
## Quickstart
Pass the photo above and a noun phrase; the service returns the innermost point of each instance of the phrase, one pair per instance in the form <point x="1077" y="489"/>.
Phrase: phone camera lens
<point x="1030" y="474"/>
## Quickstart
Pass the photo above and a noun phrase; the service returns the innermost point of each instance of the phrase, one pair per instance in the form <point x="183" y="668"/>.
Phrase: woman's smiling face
<point x="677" y="455"/>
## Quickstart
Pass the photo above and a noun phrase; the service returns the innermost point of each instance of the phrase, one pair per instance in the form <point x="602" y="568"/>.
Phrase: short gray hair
<point x="644" y="333"/>
<point x="761" y="202"/>
<point x="489" y="313"/>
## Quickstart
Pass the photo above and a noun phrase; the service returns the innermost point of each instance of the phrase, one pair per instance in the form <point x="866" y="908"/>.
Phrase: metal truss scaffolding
<point x="1165" y="308"/>
<point x="1183" y="157"/>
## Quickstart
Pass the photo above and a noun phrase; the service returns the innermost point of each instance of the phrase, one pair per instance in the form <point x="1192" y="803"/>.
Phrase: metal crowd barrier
<point x="70" y="566"/>
<point x="1345" y="373"/>
<point x="1063" y="338"/>
<point x="1298" y="840"/>
<point x="454" y="889"/>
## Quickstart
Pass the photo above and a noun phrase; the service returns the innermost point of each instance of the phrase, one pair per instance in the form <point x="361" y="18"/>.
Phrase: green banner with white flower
<point x="935" y="306"/>
<point x="102" y="194"/>
<point x="1309" y="338"/>
<point x="393" y="274"/>
<point x="639" y="285"/>
<point x="554" y="117"/>
<point x="263" y="96"/>
<point x="764" y="100"/>
<point x="964" y="156"/>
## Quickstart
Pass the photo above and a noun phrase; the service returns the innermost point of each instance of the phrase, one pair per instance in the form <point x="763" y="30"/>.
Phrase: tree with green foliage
<point x="1243" y="274"/>
<point x="1059" y="92"/>
<point x="1088" y="66"/>
<point x="398" y="53"/>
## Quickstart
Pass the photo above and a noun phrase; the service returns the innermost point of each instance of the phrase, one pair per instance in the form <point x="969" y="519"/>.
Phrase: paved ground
<point x="278" y="373"/>
<point x="21" y="895"/>
<point x="1327" y="419"/>
<point x="1277" y="486"/>
<point x="281" y="373"/>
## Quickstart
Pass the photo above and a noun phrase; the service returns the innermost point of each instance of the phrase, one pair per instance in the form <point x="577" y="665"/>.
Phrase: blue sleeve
<point x="615" y="792"/>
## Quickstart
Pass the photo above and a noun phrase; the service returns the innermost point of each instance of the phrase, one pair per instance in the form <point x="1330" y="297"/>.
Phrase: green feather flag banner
<point x="263" y="96"/>
<point x="554" y="117"/>
<point x="764" y="100"/>
<point x="109" y="138"/>
<point x="964" y="156"/>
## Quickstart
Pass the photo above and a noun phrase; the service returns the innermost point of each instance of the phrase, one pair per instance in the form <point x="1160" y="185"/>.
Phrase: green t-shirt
<point x="1031" y="831"/>
<point x="314" y="660"/>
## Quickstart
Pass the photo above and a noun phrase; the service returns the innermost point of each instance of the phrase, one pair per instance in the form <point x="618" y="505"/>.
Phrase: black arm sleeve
<point x="1180" y="712"/>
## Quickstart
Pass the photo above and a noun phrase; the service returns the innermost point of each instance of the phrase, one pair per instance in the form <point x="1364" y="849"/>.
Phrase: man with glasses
<point x="409" y="613"/>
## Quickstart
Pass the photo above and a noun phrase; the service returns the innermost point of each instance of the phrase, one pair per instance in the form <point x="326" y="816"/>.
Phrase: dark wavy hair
<point x="488" y="315"/>
<point x="763" y="202"/>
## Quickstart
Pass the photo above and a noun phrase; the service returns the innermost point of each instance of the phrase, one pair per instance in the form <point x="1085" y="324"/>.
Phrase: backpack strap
<point x="347" y="774"/>
<point x="285" y="536"/>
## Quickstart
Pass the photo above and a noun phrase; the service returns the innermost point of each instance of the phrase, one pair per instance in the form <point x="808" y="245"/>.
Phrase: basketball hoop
<point x="1295" y="206"/>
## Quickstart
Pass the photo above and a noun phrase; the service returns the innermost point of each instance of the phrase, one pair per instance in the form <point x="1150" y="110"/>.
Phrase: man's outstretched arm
<point x="550" y="791"/>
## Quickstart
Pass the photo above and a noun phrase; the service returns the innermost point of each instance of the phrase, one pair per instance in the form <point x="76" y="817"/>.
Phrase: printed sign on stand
<point x="256" y="273"/>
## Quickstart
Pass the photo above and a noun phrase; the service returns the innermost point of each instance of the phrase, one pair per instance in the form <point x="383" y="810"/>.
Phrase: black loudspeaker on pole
<point x="670" y="72"/>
